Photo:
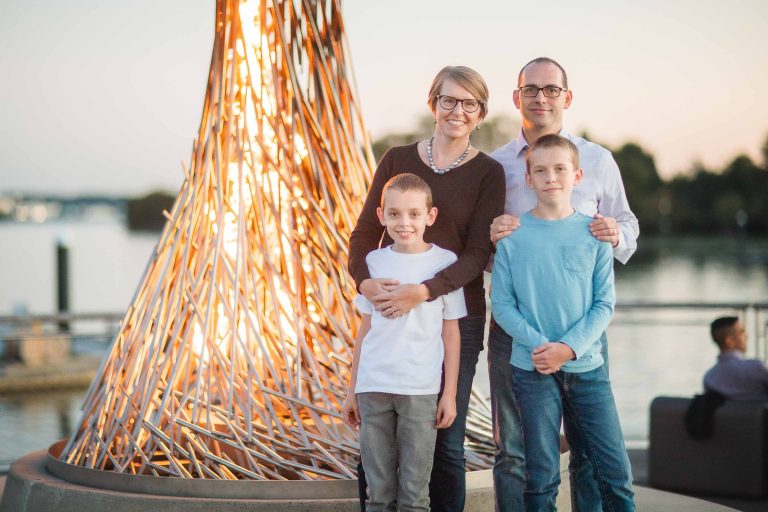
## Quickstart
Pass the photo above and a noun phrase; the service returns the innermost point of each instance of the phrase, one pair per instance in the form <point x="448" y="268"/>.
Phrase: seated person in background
<point x="735" y="377"/>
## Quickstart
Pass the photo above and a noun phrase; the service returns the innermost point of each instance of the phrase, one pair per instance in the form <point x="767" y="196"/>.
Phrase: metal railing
<point x="97" y="327"/>
<point x="754" y="315"/>
<point x="103" y="326"/>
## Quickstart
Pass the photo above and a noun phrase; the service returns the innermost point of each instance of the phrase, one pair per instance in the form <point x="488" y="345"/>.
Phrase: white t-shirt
<point x="405" y="355"/>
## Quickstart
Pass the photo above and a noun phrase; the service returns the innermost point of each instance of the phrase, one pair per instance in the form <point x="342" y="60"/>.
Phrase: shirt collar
<point x="521" y="144"/>
<point x="731" y="355"/>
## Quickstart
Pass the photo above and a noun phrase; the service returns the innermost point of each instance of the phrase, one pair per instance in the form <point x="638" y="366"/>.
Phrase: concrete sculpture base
<point x="39" y="482"/>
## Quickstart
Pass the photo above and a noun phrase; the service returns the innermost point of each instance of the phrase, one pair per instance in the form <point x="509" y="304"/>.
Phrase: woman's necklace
<point x="454" y="164"/>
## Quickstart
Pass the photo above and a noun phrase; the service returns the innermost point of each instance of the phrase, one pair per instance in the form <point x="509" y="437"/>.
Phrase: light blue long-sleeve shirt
<point x="553" y="281"/>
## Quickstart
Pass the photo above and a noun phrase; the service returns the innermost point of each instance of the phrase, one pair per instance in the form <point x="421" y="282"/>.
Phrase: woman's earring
<point x="477" y="128"/>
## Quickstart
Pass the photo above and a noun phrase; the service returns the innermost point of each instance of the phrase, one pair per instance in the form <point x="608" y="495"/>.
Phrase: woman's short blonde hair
<point x="467" y="78"/>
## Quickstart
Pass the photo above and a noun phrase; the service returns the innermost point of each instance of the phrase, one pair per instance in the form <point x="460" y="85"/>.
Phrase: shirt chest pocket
<point x="579" y="259"/>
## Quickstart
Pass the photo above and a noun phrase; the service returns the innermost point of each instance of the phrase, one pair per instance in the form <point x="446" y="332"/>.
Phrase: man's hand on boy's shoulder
<point x="502" y="226"/>
<point x="550" y="356"/>
<point x="605" y="229"/>
<point x="350" y="412"/>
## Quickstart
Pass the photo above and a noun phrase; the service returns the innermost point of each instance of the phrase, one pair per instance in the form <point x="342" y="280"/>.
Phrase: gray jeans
<point x="397" y="444"/>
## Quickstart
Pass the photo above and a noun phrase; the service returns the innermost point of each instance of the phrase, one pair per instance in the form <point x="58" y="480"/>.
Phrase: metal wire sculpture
<point x="232" y="361"/>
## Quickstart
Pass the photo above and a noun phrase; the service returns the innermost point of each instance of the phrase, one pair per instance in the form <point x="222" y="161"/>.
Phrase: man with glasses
<point x="542" y="96"/>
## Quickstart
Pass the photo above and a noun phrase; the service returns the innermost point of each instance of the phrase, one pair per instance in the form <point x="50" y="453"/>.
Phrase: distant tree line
<point x="705" y="201"/>
<point x="722" y="201"/>
<point x="146" y="213"/>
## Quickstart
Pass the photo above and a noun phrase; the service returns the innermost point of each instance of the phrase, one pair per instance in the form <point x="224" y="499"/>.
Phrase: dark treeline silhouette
<point x="704" y="201"/>
<point x="732" y="200"/>
<point x="146" y="213"/>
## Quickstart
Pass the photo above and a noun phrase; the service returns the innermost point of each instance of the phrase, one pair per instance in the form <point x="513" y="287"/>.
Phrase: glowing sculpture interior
<point x="232" y="360"/>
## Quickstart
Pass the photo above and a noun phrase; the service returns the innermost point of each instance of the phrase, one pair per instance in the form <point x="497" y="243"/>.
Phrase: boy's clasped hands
<point x="549" y="357"/>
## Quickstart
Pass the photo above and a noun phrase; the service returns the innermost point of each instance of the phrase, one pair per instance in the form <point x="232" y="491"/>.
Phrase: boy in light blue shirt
<point x="552" y="291"/>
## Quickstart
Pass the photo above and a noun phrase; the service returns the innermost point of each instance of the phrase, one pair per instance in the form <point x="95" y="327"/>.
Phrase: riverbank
<point x="74" y="372"/>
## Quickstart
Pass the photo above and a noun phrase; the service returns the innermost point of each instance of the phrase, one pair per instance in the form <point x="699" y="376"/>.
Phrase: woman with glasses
<point x="468" y="190"/>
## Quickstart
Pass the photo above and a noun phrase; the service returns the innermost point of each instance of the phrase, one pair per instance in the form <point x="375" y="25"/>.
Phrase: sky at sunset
<point x="105" y="96"/>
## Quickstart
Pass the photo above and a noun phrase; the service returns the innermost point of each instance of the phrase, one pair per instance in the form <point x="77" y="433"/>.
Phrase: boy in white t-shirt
<point x="397" y="363"/>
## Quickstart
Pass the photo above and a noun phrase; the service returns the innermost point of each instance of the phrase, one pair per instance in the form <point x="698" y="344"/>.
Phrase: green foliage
<point x="748" y="181"/>
<point x="730" y="201"/>
<point x="146" y="213"/>
<point x="764" y="152"/>
<point x="642" y="184"/>
<point x="494" y="132"/>
<point x="425" y="127"/>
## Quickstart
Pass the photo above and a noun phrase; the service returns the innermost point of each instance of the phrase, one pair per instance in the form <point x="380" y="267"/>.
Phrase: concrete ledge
<point x="197" y="488"/>
<point x="31" y="487"/>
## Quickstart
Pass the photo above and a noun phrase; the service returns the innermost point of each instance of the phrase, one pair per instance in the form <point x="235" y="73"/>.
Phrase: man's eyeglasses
<point x="550" y="91"/>
<point x="449" y="103"/>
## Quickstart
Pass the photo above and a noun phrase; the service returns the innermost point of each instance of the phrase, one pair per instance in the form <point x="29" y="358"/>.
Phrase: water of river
<point x="651" y="353"/>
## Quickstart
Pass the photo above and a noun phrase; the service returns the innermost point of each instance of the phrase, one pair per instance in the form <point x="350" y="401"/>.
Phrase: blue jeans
<point x="585" y="494"/>
<point x="448" y="484"/>
<point x="509" y="463"/>
<point x="586" y="401"/>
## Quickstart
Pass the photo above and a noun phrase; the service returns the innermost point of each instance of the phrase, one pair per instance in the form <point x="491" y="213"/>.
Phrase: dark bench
<point x="732" y="462"/>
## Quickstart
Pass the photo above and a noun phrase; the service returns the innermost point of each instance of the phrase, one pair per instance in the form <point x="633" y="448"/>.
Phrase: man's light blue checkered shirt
<point x="601" y="189"/>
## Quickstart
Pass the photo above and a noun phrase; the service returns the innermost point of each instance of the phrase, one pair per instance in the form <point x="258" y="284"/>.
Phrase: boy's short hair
<point x="552" y="140"/>
<point x="405" y="182"/>
<point x="721" y="329"/>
